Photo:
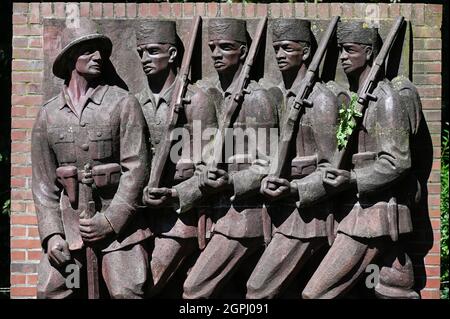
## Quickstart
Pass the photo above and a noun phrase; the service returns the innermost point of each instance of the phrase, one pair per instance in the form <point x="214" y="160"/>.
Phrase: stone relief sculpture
<point x="132" y="204"/>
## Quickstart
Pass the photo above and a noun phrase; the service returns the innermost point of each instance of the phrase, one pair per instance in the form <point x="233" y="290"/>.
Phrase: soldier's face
<point x="354" y="57"/>
<point x="227" y="55"/>
<point x="89" y="61"/>
<point x="290" y="55"/>
<point x="156" y="57"/>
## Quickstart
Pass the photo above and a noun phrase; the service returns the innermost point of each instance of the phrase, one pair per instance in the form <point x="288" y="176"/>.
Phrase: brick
<point x="434" y="116"/>
<point x="32" y="232"/>
<point x="31" y="29"/>
<point x="435" y="9"/>
<point x="144" y="10"/>
<point x="23" y="291"/>
<point x="250" y="10"/>
<point x="26" y="100"/>
<point x="433" y="283"/>
<point x="430" y="294"/>
<point x="359" y="10"/>
<point x="427" y="79"/>
<point x="17" y="135"/>
<point x="261" y="9"/>
<point x="275" y="10"/>
<point x="19" y="19"/>
<point x="426" y="55"/>
<point x="131" y="10"/>
<point x="22" y="123"/>
<point x="108" y="10"/>
<point x="236" y="10"/>
<point x="426" y="32"/>
<point x="164" y="9"/>
<point x="432" y="271"/>
<point x="287" y="10"/>
<point x="18" y="280"/>
<point x="429" y="91"/>
<point x="18" y="219"/>
<point x="406" y="10"/>
<point x="435" y="188"/>
<point x="347" y="11"/>
<point x="26" y="65"/>
<point x="435" y="176"/>
<point x="176" y="9"/>
<point x="311" y="10"/>
<point x="23" y="268"/>
<point x="212" y="9"/>
<point x="18" y="255"/>
<point x="20" y="42"/>
<point x="17" y="194"/>
<point x="427" y="67"/>
<point x="153" y="9"/>
<point x="119" y="10"/>
<point x="46" y="10"/>
<point x="200" y="9"/>
<point x="25" y="243"/>
<point x="32" y="111"/>
<point x="18" y="231"/>
<point x="225" y="10"/>
<point x="17" y="182"/>
<point x="34" y="255"/>
<point x="35" y="42"/>
<point x="60" y="9"/>
<point x="33" y="88"/>
<point x="432" y="259"/>
<point x="384" y="10"/>
<point x="335" y="9"/>
<point x="28" y="54"/>
<point x="34" y="13"/>
<point x="30" y="208"/>
<point x="188" y="9"/>
<point x="419" y="14"/>
<point x="394" y="10"/>
<point x="17" y="207"/>
<point x="18" y="88"/>
<point x="96" y="10"/>
<point x="299" y="10"/>
<point x="20" y="7"/>
<point x="32" y="279"/>
<point x="85" y="9"/>
<point x="427" y="44"/>
<point x="435" y="201"/>
<point x="18" y="111"/>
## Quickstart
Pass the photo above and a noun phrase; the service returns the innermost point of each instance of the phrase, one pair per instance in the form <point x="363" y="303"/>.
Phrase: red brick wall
<point x="27" y="78"/>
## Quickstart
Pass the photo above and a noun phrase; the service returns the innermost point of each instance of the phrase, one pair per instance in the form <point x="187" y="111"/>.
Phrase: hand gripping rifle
<point x="176" y="105"/>
<point x="364" y="97"/>
<point x="297" y="109"/>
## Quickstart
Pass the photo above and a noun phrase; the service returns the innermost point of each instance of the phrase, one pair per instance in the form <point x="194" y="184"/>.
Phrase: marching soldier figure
<point x="302" y="221"/>
<point x="376" y="210"/>
<point x="174" y="236"/>
<point x="237" y="231"/>
<point x="89" y="158"/>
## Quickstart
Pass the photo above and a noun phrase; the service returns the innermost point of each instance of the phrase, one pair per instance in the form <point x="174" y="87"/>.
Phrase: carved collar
<point x="96" y="96"/>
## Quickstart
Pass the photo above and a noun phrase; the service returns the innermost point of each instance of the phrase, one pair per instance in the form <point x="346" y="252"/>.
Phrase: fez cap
<point x="227" y="29"/>
<point x="291" y="30"/>
<point x="73" y="37"/>
<point x="357" y="32"/>
<point x="156" y="31"/>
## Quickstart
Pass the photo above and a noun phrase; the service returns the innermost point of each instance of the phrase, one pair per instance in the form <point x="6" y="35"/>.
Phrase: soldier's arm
<point x="311" y="189"/>
<point x="393" y="160"/>
<point x="46" y="190"/>
<point x="134" y="164"/>
<point x="248" y="181"/>
<point x="201" y="110"/>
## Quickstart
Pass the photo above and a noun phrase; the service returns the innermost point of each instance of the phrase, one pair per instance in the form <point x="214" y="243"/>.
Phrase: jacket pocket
<point x="62" y="141"/>
<point x="100" y="143"/>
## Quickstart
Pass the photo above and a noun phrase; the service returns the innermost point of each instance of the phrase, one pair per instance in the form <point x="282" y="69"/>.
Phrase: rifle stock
<point x="176" y="105"/>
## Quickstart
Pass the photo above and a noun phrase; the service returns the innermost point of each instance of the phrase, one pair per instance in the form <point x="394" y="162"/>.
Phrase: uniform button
<point x="99" y="134"/>
<point x="156" y="141"/>
<point x="83" y="124"/>
<point x="85" y="147"/>
<point x="61" y="136"/>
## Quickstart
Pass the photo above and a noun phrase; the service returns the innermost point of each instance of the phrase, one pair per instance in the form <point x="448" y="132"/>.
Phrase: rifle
<point x="364" y="97"/>
<point x="296" y="111"/>
<point x="91" y="256"/>
<point x="370" y="83"/>
<point x="176" y="105"/>
<point x="238" y="94"/>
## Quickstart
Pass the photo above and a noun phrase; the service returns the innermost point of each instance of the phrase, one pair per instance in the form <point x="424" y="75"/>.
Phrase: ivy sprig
<point x="347" y="123"/>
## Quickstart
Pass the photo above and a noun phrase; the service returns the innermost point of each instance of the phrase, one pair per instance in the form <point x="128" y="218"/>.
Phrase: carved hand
<point x="275" y="188"/>
<point x="58" y="250"/>
<point x="157" y="197"/>
<point x="338" y="177"/>
<point x="95" y="228"/>
<point x="214" y="180"/>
